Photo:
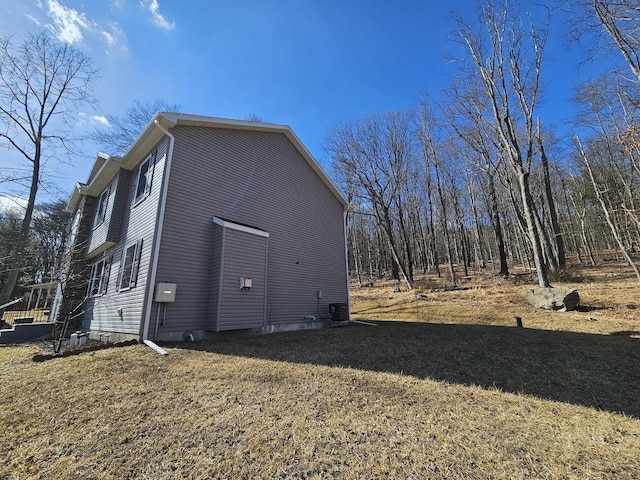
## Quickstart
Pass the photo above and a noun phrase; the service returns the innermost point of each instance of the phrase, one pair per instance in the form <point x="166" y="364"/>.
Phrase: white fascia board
<point x="104" y="170"/>
<point x="75" y="196"/>
<point x="240" y="228"/>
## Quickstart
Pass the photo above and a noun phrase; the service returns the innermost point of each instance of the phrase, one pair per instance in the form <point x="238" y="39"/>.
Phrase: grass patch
<point x="459" y="393"/>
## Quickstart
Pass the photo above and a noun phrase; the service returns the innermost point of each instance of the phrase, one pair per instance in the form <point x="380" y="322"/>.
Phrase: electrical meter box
<point x="165" y="293"/>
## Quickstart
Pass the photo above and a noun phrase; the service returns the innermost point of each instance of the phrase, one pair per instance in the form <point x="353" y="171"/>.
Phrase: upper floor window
<point x="143" y="178"/>
<point x="99" y="277"/>
<point x="75" y="227"/>
<point x="129" y="266"/>
<point x="101" y="208"/>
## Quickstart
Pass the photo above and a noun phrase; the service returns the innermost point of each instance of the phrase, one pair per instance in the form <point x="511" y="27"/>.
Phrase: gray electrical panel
<point x="165" y="293"/>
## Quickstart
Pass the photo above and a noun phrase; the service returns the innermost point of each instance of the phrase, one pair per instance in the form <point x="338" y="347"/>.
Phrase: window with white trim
<point x="143" y="178"/>
<point x="75" y="227"/>
<point x="101" y="208"/>
<point x="129" y="266"/>
<point x="99" y="277"/>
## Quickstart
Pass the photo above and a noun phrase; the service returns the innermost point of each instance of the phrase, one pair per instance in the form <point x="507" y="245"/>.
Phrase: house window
<point x="144" y="177"/>
<point x="129" y="266"/>
<point x="101" y="209"/>
<point x="99" y="277"/>
<point x="75" y="227"/>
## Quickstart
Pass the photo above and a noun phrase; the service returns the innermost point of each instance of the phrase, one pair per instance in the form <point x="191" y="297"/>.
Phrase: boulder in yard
<point x="552" y="298"/>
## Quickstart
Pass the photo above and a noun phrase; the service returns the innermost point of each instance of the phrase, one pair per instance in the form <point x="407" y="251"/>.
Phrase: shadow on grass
<point x="599" y="371"/>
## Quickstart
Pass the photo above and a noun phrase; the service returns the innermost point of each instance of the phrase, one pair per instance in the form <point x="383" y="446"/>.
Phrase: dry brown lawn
<point x="445" y="387"/>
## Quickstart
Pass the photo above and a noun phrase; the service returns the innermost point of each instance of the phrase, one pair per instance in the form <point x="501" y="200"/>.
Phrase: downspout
<point x="156" y="243"/>
<point x="346" y="259"/>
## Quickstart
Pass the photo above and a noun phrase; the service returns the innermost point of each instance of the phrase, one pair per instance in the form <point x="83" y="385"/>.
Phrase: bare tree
<point x="49" y="232"/>
<point x="553" y="212"/>
<point x="426" y="126"/>
<point x="42" y="83"/>
<point x="468" y="112"/>
<point x="375" y="154"/>
<point x="508" y="60"/>
<point x="606" y="210"/>
<point x="122" y="131"/>
<point x="621" y="20"/>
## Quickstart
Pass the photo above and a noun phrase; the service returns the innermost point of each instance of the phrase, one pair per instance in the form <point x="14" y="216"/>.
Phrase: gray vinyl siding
<point x="138" y="222"/>
<point x="257" y="179"/>
<point x="216" y="273"/>
<point x="107" y="233"/>
<point x="99" y="235"/>
<point x="120" y="204"/>
<point x="242" y="255"/>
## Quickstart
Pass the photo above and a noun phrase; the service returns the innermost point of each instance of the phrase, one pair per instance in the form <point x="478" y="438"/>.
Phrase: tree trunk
<point x="555" y="224"/>
<point x="388" y="229"/>
<point x="445" y="227"/>
<point x="607" y="215"/>
<point x="528" y="213"/>
<point x="496" y="225"/>
<point x="21" y="243"/>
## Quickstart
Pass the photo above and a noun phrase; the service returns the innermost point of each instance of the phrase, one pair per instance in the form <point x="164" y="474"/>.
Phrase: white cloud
<point x="115" y="38"/>
<point x="84" y="119"/>
<point x="71" y="26"/>
<point x="68" y="23"/>
<point x="101" y="119"/>
<point x="34" y="20"/>
<point x="157" y="17"/>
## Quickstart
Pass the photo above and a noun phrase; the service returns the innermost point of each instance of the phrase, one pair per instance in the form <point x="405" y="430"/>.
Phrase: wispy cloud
<point x="71" y="26"/>
<point x="68" y="23"/>
<point x="101" y="119"/>
<point x="84" y="119"/>
<point x="34" y="19"/>
<point x="154" y="8"/>
<point x="115" y="38"/>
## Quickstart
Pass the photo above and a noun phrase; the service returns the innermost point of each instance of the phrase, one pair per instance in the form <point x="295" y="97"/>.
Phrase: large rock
<point x="553" y="298"/>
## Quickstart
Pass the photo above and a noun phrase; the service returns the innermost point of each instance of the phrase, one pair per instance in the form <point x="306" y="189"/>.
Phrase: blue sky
<point x="308" y="64"/>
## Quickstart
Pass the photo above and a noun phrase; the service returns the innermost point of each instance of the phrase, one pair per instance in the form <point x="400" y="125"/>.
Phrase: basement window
<point x="143" y="179"/>
<point x="99" y="277"/>
<point x="129" y="266"/>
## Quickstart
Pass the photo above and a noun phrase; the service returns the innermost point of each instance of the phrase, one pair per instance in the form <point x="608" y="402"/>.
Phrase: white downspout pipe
<point x="156" y="243"/>
<point x="346" y="260"/>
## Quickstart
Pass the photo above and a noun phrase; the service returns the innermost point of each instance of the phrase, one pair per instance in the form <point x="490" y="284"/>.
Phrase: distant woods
<point x="479" y="182"/>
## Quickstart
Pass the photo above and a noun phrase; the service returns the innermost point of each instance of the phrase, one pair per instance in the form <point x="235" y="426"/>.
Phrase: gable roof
<point x="106" y="167"/>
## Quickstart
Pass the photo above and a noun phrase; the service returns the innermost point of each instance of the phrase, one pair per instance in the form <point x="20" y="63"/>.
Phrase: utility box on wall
<point x="165" y="293"/>
<point x="245" y="283"/>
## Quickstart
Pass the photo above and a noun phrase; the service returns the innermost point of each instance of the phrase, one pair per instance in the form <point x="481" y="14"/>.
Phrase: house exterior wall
<point x="121" y="203"/>
<point x="122" y="311"/>
<point x="258" y="179"/>
<point x="107" y="233"/>
<point x="99" y="235"/>
<point x="242" y="255"/>
<point x="76" y="265"/>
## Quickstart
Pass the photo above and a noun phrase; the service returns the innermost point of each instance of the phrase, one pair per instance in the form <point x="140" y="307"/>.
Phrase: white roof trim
<point x="240" y="228"/>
